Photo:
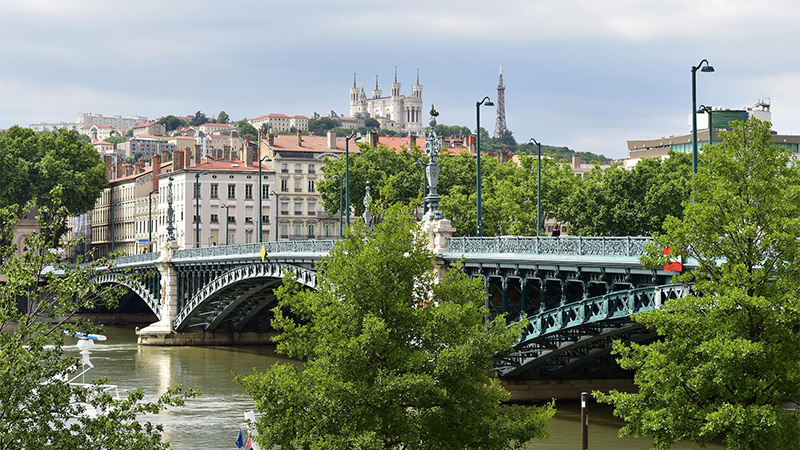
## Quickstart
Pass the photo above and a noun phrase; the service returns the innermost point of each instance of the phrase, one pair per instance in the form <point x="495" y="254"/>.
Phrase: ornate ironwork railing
<point x="567" y="245"/>
<point x="308" y="246"/>
<point x="133" y="259"/>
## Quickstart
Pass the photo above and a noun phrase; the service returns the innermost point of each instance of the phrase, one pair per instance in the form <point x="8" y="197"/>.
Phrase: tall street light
<point x="227" y="222"/>
<point x="704" y="67"/>
<point x="150" y="220"/>
<point x="347" y="171"/>
<point x="260" y="195"/>
<point x="424" y="188"/>
<point x="341" y="212"/>
<point x="707" y="110"/>
<point x="485" y="102"/>
<point x="197" y="207"/>
<point x="277" y="210"/>
<point x="539" y="190"/>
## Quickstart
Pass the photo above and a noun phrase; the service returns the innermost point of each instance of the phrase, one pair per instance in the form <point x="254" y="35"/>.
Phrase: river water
<point x="212" y="420"/>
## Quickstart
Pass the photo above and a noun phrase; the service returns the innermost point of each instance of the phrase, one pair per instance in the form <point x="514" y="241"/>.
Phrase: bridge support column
<point x="157" y="332"/>
<point x="437" y="232"/>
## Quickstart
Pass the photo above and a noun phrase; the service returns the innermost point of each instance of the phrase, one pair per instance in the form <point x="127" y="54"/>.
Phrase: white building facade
<point x="395" y="112"/>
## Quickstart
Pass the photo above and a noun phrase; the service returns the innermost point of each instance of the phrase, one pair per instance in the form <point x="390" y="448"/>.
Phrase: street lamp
<point x="424" y="189"/>
<point x="539" y="190"/>
<point x="197" y="207"/>
<point x="704" y="67"/>
<point x="260" y="195"/>
<point x="227" y="222"/>
<point x="347" y="171"/>
<point x="150" y="220"/>
<point x="277" y="205"/>
<point x="341" y="212"/>
<point x="707" y="110"/>
<point x="486" y="102"/>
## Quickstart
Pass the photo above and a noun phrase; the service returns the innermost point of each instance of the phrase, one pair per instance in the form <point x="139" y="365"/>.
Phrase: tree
<point x="114" y="140"/>
<point x="246" y="130"/>
<point x="172" y="123"/>
<point x="199" y="119"/>
<point x="31" y="165"/>
<point x="394" y="360"/>
<point x="320" y="126"/>
<point x="728" y="356"/>
<point x="38" y="408"/>
<point x="372" y="123"/>
<point x="223" y="117"/>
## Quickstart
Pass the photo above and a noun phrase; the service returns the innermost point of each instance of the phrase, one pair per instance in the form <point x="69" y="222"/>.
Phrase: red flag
<point x="674" y="264"/>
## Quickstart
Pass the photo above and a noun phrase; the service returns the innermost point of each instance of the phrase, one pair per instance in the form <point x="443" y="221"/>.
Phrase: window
<point x="311" y="229"/>
<point x="298" y="168"/>
<point x="284" y="168"/>
<point x="311" y="187"/>
<point x="231" y="237"/>
<point x="196" y="190"/>
<point x="248" y="191"/>
<point x="264" y="191"/>
<point x="214" y="190"/>
<point x="312" y="208"/>
<point x="285" y="208"/>
<point x="231" y="219"/>
<point x="312" y="168"/>
<point x="284" y="185"/>
<point x="298" y="185"/>
<point x="298" y="207"/>
<point x="194" y="218"/>
<point x="328" y="230"/>
<point x="284" y="231"/>
<point x="231" y="191"/>
<point x="298" y="229"/>
<point x="248" y="219"/>
<point x="248" y="236"/>
<point x="265" y="220"/>
<point x="214" y="218"/>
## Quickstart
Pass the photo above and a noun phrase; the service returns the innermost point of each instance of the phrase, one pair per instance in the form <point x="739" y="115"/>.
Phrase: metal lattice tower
<point x="500" y="125"/>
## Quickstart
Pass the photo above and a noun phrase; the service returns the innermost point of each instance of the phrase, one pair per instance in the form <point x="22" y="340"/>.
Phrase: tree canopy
<point x="171" y="123"/>
<point x="728" y="356"/>
<point x="394" y="359"/>
<point x="223" y="117"/>
<point x="246" y="130"/>
<point x="199" y="119"/>
<point x="322" y="125"/>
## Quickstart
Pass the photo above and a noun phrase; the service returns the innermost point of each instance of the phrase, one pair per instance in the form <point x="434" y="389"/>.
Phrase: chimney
<point x="140" y="168"/>
<point x="177" y="160"/>
<point x="372" y="139"/>
<point x="331" y="139"/>
<point x="198" y="153"/>
<point x="109" y="165"/>
<point x="576" y="162"/>
<point x="155" y="162"/>
<point x="472" y="144"/>
<point x="271" y="139"/>
<point x="412" y="140"/>
<point x="248" y="155"/>
<point x="118" y="172"/>
<point x="299" y="139"/>
<point x="164" y="155"/>
<point x="227" y="153"/>
<point x="128" y="169"/>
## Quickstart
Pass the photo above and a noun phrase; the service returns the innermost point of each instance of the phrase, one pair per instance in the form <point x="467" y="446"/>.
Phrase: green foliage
<point x="372" y="123"/>
<point x="199" y="119"/>
<point x="246" y="130"/>
<point x="619" y="202"/>
<point x="223" y="117"/>
<point x="31" y="165"/>
<point x="84" y="139"/>
<point x="38" y="408"/>
<point x="727" y="357"/>
<point x="171" y="123"/>
<point x="320" y="126"/>
<point x="115" y="140"/>
<point x="395" y="359"/>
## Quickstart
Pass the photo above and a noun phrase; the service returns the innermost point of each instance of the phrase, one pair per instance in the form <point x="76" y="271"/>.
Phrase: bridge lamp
<point x="707" y="110"/>
<point x="227" y="222"/>
<point x="341" y="212"/>
<point x="150" y="220"/>
<point x="277" y="205"/>
<point x="704" y="67"/>
<point x="485" y="102"/>
<point x="260" y="195"/>
<point x="197" y="207"/>
<point x="347" y="171"/>
<point x="539" y="189"/>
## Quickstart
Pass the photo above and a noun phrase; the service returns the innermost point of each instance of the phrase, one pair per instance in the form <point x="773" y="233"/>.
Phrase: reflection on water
<point x="212" y="420"/>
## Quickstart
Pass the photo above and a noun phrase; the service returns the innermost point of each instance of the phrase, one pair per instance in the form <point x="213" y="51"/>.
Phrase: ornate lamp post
<point x="486" y="102"/>
<point x="341" y="212"/>
<point x="260" y="195"/>
<point x="707" y="110"/>
<point x="170" y="213"/>
<point x="539" y="190"/>
<point x="347" y="170"/>
<point x="150" y="220"/>
<point x="197" y="207"/>
<point x="433" y="145"/>
<point x="277" y="205"/>
<point x="704" y="67"/>
<point x="227" y="222"/>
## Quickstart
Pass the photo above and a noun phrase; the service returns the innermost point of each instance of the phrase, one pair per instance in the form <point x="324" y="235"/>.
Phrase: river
<point x="212" y="420"/>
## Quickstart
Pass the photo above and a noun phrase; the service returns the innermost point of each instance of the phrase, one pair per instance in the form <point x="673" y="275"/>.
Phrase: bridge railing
<point x="309" y="246"/>
<point x="135" y="259"/>
<point x="566" y="245"/>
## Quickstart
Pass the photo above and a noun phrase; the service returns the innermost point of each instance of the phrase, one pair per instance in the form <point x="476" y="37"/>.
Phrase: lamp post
<point x="347" y="171"/>
<point x="707" y="110"/>
<point x="341" y="212"/>
<point x="704" y="67"/>
<point x="277" y="205"/>
<point x="227" y="222"/>
<point x="260" y="195"/>
<point x="424" y="188"/>
<point x="197" y="207"/>
<point x="539" y="190"/>
<point x="486" y="102"/>
<point x="150" y="220"/>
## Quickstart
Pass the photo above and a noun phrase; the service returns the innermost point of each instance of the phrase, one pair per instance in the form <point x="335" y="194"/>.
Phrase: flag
<point x="249" y="444"/>
<point x="240" y="440"/>
<point x="674" y="263"/>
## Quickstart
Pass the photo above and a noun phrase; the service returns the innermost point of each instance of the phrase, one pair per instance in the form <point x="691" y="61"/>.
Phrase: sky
<point x="585" y="74"/>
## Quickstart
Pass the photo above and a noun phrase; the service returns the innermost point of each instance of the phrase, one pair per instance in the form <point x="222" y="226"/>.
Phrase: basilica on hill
<point x="395" y="112"/>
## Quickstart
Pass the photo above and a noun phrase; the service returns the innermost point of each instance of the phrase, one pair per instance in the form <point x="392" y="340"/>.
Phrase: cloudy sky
<point x="581" y="73"/>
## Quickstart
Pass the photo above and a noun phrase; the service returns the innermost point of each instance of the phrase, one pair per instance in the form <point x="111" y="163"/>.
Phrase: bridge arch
<point x="238" y="289"/>
<point x="150" y="297"/>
